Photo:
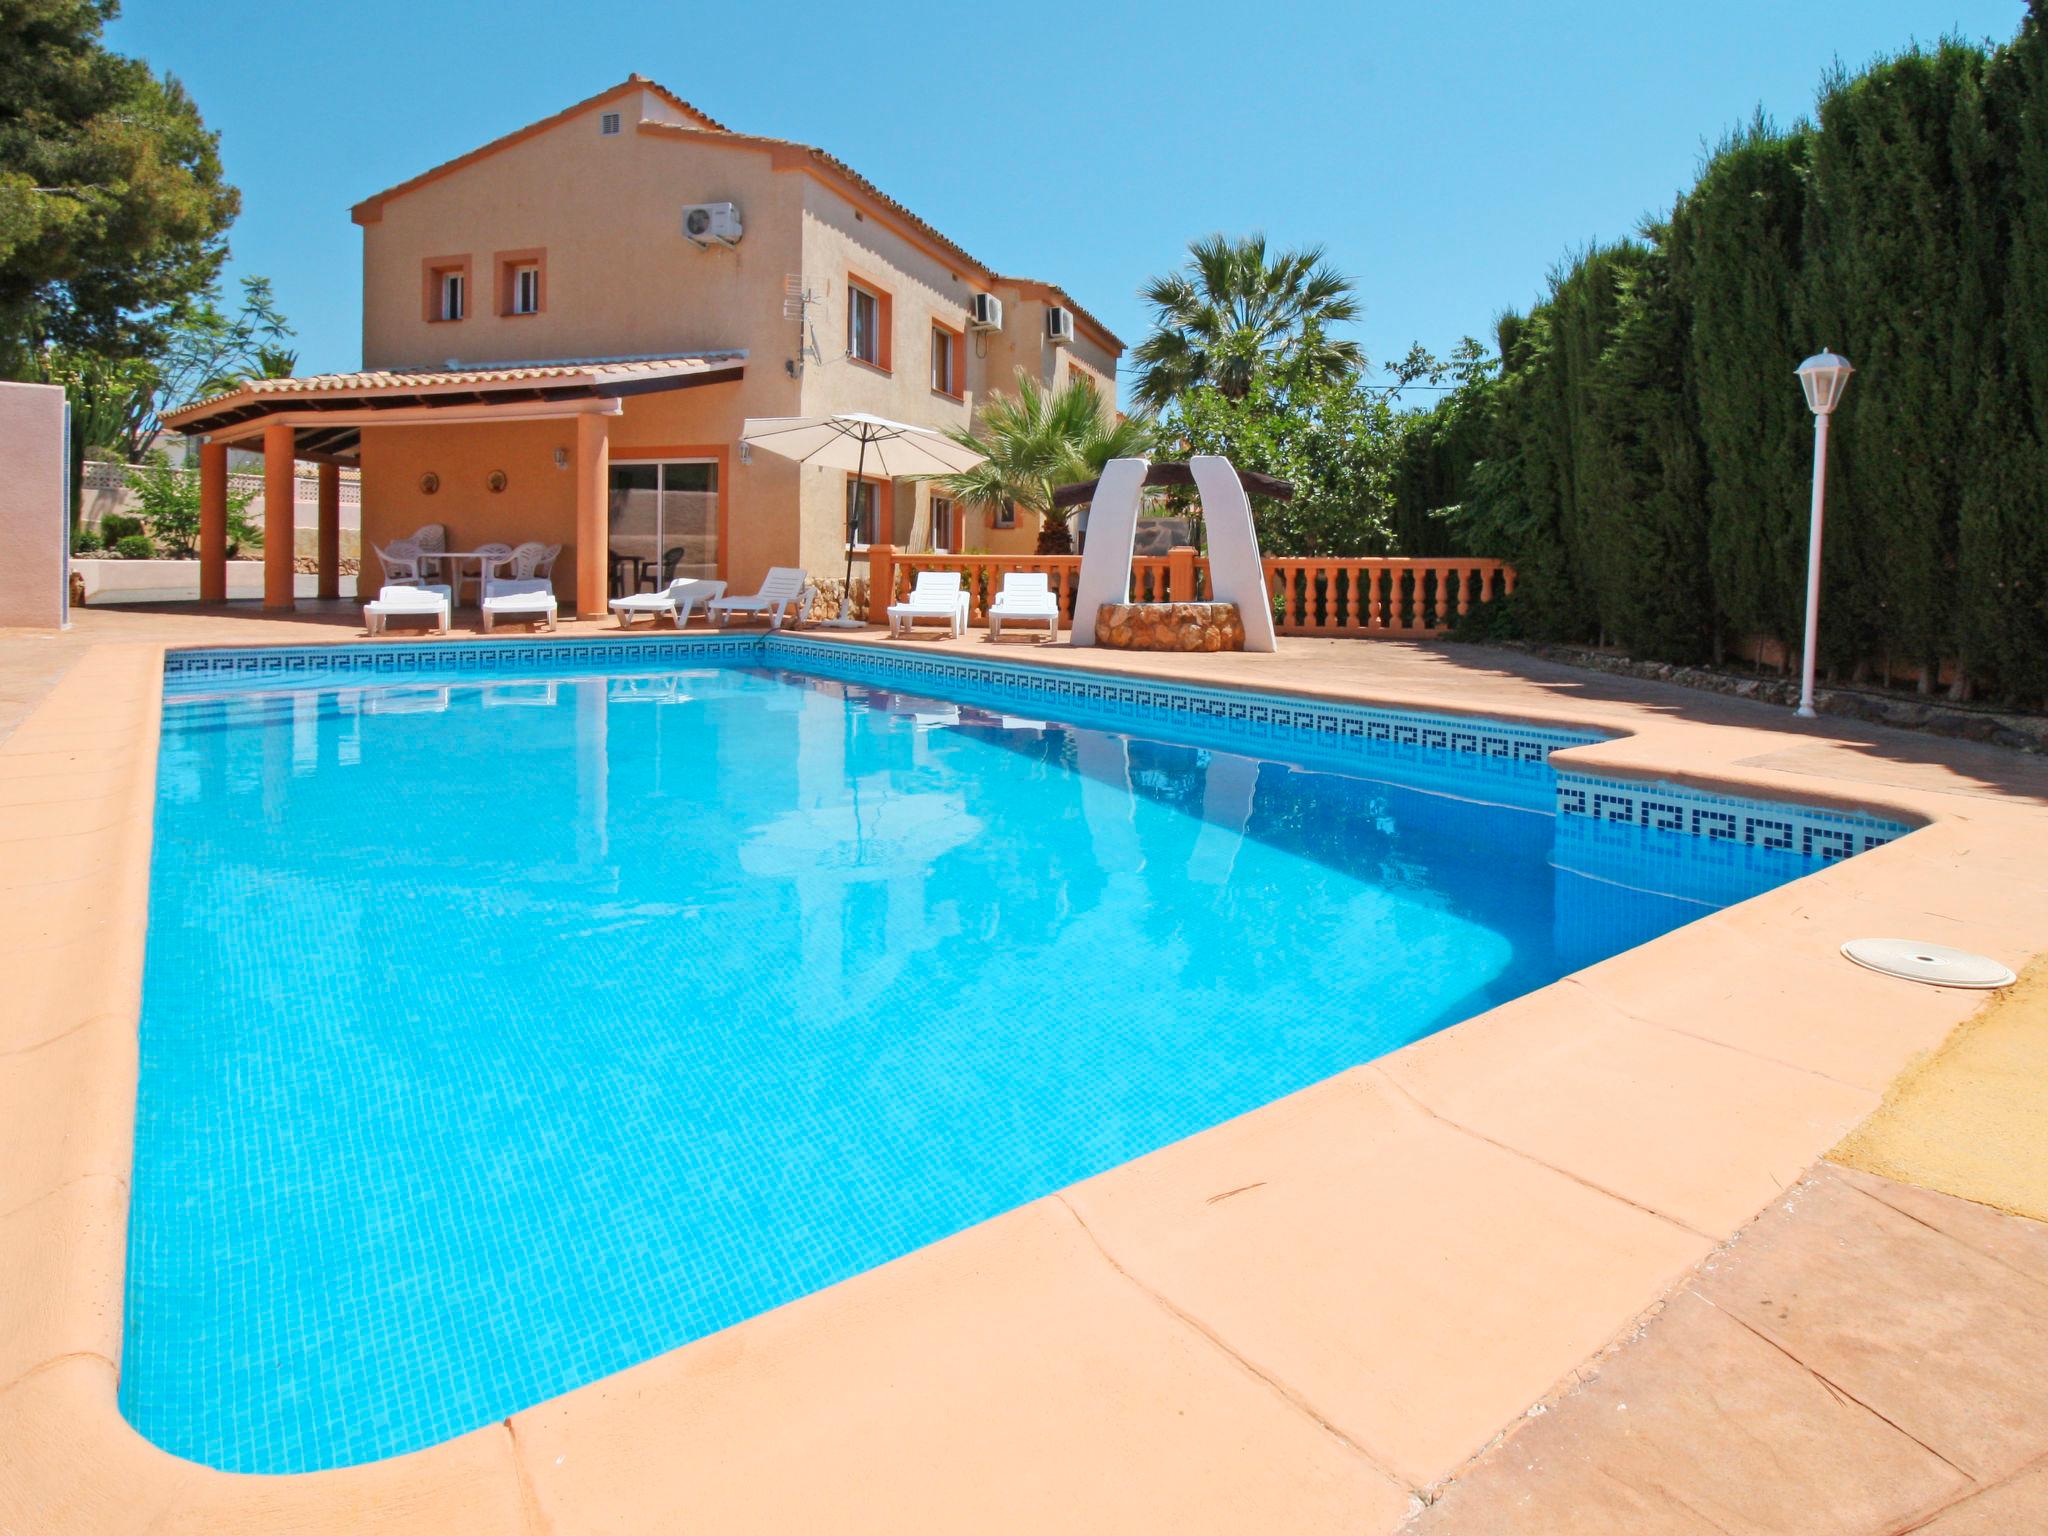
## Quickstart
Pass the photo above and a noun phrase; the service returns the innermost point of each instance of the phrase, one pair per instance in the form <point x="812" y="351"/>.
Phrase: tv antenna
<point x="798" y="300"/>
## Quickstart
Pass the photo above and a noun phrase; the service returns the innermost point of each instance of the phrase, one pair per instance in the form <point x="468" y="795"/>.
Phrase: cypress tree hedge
<point x="1643" y="453"/>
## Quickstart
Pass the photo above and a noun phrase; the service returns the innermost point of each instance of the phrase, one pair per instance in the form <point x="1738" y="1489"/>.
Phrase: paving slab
<point x="1008" y="1379"/>
<point x="1944" y="1342"/>
<point x="1699" y="1427"/>
<point x="1415" y="1285"/>
<point x="1840" y="1367"/>
<point x="1696" y="1131"/>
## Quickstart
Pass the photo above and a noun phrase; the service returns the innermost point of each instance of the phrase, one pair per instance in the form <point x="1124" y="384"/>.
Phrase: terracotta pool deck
<point x="1305" y="1319"/>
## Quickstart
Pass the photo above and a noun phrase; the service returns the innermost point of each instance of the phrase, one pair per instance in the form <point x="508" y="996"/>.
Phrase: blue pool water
<point x="500" y="1034"/>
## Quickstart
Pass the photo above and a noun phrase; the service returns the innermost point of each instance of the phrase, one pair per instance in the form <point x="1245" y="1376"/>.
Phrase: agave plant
<point x="1040" y="439"/>
<point x="1234" y="307"/>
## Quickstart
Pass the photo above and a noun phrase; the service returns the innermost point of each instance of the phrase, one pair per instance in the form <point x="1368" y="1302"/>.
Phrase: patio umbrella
<point x="849" y="441"/>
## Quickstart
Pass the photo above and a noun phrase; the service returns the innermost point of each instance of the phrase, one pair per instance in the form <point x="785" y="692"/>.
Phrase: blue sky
<point x="1447" y="154"/>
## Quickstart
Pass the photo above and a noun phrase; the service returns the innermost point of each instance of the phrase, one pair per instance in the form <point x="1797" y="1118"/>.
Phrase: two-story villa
<point x="564" y="329"/>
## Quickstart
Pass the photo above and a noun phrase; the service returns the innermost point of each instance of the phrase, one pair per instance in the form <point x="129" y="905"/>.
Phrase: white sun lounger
<point x="674" y="602"/>
<point x="407" y="602"/>
<point x="1026" y="598"/>
<point x="783" y="585"/>
<point x="937" y="595"/>
<point x="515" y="597"/>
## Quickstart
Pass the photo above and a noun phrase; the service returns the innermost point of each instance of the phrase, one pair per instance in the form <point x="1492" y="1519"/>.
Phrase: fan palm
<point x="1234" y="307"/>
<point x="1039" y="439"/>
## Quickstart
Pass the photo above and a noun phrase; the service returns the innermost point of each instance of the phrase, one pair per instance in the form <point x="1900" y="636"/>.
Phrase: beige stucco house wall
<point x="599" y="212"/>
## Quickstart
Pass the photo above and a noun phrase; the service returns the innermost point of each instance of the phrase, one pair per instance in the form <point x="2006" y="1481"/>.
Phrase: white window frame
<point x="943" y="381"/>
<point x="608" y="124"/>
<point x="526" y="288"/>
<point x="855" y="295"/>
<point x="454" y="300"/>
<point x="1006" y="513"/>
<point x="943" y="508"/>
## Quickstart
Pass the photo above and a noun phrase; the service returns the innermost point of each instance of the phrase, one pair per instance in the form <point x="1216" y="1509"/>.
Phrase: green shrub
<point x="169" y="500"/>
<point x="114" y="527"/>
<point x="137" y="546"/>
<point x="86" y="539"/>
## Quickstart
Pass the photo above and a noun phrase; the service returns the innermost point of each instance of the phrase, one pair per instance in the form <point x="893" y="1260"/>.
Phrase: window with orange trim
<point x="868" y="323"/>
<point x="863" y="511"/>
<point x="948" y="358"/>
<point x="522" y="282"/>
<point x="446" y="287"/>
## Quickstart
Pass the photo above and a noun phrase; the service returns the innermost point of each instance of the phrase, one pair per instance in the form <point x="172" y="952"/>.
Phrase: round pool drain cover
<point x="1935" y="964"/>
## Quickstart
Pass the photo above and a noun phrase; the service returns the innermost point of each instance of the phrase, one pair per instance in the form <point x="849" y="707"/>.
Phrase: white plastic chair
<point x="784" y="585"/>
<point x="674" y="602"/>
<point x="430" y="540"/>
<point x="490" y="558"/>
<point x="401" y="561"/>
<point x="1027" y="598"/>
<point x="407" y="602"/>
<point x="527" y="559"/>
<point x="937" y="595"/>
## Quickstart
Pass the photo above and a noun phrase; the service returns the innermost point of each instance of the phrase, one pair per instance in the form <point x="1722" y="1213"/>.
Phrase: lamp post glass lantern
<point x="1823" y="376"/>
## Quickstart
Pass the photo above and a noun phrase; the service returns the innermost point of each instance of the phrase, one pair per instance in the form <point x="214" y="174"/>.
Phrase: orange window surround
<point x="432" y="271"/>
<point x="508" y="265"/>
<point x="949" y="361"/>
<point x="870" y="323"/>
<point x="885" y="511"/>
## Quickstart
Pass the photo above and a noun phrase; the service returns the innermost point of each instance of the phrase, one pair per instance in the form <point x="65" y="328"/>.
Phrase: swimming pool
<point x="514" y="1013"/>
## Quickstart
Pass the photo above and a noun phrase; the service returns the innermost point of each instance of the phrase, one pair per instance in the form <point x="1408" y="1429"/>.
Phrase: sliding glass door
<point x="664" y="522"/>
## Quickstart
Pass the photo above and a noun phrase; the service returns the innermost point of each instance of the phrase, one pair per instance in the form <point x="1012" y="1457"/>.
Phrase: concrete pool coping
<point x="1296" y="1319"/>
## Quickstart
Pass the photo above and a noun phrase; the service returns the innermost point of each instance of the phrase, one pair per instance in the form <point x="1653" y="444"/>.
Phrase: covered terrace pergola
<point x="322" y="418"/>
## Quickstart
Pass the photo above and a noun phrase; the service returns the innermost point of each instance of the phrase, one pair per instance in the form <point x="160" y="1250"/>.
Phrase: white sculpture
<point x="1236" y="574"/>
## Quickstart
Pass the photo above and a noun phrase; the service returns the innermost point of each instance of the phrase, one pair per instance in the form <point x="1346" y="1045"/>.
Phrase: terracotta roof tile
<point x="438" y="380"/>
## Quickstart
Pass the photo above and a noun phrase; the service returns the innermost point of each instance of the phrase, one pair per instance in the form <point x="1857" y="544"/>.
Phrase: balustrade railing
<point x="1407" y="599"/>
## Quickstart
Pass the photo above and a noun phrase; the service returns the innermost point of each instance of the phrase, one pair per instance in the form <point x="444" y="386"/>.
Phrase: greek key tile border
<point x="1249" y="716"/>
<point x="1808" y="831"/>
<point x="272" y="666"/>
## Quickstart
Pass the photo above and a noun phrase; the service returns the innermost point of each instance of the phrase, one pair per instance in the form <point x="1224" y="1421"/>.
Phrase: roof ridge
<point x="370" y="208"/>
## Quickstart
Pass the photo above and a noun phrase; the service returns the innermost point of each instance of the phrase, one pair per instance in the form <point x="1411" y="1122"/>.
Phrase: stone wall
<point x="1169" y="627"/>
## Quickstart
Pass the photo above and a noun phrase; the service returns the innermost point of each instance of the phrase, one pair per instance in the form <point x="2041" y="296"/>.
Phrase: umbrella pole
<point x="852" y="524"/>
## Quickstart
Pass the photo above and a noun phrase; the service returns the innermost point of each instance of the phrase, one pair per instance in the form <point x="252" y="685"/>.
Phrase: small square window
<point x="608" y="124"/>
<point x="1006" y="514"/>
<point x="526" y="290"/>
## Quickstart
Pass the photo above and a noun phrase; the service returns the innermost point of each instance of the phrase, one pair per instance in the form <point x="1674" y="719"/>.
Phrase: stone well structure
<point x="1169" y="627"/>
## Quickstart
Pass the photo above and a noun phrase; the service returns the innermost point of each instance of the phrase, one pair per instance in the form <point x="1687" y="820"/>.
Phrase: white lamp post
<point x="1823" y="376"/>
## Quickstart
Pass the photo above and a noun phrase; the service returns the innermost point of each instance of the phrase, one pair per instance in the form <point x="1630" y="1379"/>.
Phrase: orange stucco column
<point x="279" y="490"/>
<point x="213" y="523"/>
<point x="593" y="515"/>
<point x="330" y="530"/>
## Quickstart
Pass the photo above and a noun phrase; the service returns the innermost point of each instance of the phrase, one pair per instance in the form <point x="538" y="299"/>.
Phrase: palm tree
<point x="1231" y="308"/>
<point x="1040" y="439"/>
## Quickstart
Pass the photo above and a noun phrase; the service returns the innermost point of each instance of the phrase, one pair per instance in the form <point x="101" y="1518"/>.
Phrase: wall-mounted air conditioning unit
<point x="711" y="224"/>
<point x="987" y="313"/>
<point x="1059" y="324"/>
